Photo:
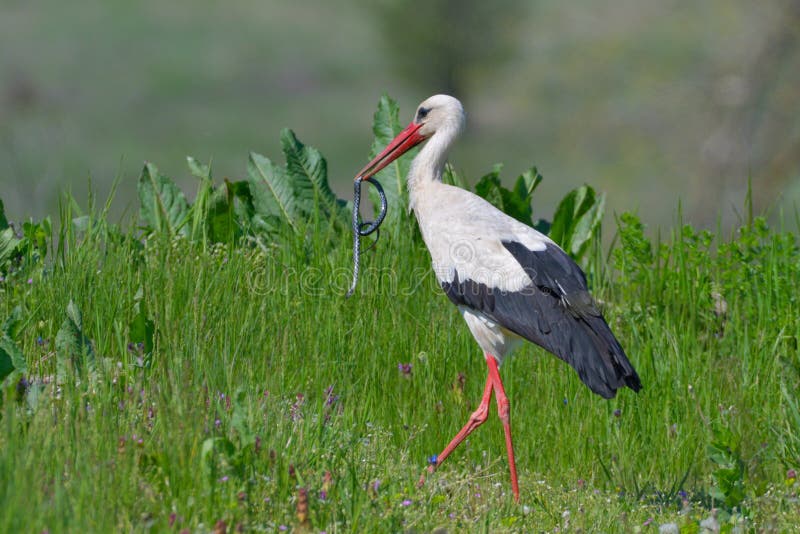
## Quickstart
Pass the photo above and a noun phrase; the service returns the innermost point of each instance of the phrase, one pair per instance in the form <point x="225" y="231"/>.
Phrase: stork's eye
<point x="422" y="113"/>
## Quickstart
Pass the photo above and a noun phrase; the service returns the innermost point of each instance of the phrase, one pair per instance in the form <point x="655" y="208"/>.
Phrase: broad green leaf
<point x="515" y="202"/>
<point x="272" y="191"/>
<point x="587" y="227"/>
<point x="8" y="244"/>
<point x="6" y="364"/>
<point x="241" y="200"/>
<point x="163" y="207"/>
<point x="386" y="125"/>
<point x="3" y="220"/>
<point x="12" y="322"/>
<point x="198" y="170"/>
<point x="11" y="357"/>
<point x="489" y="187"/>
<point x="307" y="167"/>
<point x="73" y="348"/>
<point x="576" y="219"/>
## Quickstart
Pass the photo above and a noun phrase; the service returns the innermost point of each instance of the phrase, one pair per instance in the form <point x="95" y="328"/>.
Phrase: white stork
<point x="509" y="281"/>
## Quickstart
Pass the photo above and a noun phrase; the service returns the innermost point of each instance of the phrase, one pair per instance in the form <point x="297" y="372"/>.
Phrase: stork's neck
<point x="427" y="167"/>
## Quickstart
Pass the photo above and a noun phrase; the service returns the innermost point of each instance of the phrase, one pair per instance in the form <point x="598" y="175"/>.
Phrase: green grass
<point x="263" y="378"/>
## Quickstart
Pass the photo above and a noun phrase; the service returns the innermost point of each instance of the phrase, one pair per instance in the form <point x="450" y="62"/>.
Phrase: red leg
<point x="477" y="418"/>
<point x="505" y="416"/>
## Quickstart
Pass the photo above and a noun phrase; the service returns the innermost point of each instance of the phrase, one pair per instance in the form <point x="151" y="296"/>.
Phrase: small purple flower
<point x="682" y="494"/>
<point x="647" y="523"/>
<point x="407" y="502"/>
<point x="330" y="398"/>
<point x="172" y="517"/>
<point x="283" y="528"/>
<point x="617" y="413"/>
<point x="295" y="411"/>
<point x="452" y="515"/>
<point x="217" y="423"/>
<point x="39" y="340"/>
<point x="22" y="387"/>
<point x="30" y="281"/>
<point x="565" y="401"/>
<point x="224" y="479"/>
<point x="376" y="485"/>
<point x="791" y="474"/>
<point x="404" y="368"/>
<point x="323" y="495"/>
<point x="433" y="460"/>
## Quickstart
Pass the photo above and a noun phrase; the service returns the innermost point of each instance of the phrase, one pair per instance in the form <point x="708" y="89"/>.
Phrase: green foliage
<point x="74" y="350"/>
<point x="235" y="399"/>
<point x="11" y="356"/>
<point x="162" y="205"/>
<point x="729" y="470"/>
<point x="515" y="202"/>
<point x="23" y="251"/>
<point x="386" y="125"/>
<point x="142" y="328"/>
<point x="577" y="221"/>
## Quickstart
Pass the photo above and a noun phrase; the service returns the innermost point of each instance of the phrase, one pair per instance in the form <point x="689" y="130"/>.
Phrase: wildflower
<point x="257" y="445"/>
<point x="404" y="368"/>
<point x="295" y="412"/>
<point x="433" y="460"/>
<point x="376" y="485"/>
<point x="451" y="515"/>
<point x="407" y="502"/>
<point x="330" y="398"/>
<point x="617" y="413"/>
<point x="323" y="495"/>
<point x="22" y="387"/>
<point x="30" y="281"/>
<point x="283" y="528"/>
<point x="224" y="479"/>
<point x="39" y="340"/>
<point x="217" y="423"/>
<point x="791" y="476"/>
<point x="172" y="518"/>
<point x="565" y="401"/>
<point x="648" y="522"/>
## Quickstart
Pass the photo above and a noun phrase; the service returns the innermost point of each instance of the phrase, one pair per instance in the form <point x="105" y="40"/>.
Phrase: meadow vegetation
<point x="199" y="369"/>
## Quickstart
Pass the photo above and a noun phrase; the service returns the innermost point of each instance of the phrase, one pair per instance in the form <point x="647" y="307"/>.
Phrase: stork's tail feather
<point x="602" y="364"/>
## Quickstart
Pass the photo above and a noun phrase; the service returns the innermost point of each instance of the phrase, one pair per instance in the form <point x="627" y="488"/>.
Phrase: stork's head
<point x="439" y="113"/>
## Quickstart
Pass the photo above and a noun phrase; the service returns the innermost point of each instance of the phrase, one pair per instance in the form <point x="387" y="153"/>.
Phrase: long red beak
<point x="405" y="140"/>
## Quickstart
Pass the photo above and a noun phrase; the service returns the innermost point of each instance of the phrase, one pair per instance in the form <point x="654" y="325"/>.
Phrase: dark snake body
<point x="364" y="228"/>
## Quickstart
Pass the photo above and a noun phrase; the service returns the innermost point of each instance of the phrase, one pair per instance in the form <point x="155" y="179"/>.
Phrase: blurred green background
<point x="653" y="102"/>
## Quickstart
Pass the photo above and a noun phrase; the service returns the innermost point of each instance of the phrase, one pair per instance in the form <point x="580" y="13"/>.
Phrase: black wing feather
<point x="556" y="312"/>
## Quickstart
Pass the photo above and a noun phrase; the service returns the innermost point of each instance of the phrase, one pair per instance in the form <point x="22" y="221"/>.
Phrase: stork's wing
<point x="556" y="312"/>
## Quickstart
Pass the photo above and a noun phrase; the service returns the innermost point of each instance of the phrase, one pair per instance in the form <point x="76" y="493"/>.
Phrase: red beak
<point x="405" y="140"/>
